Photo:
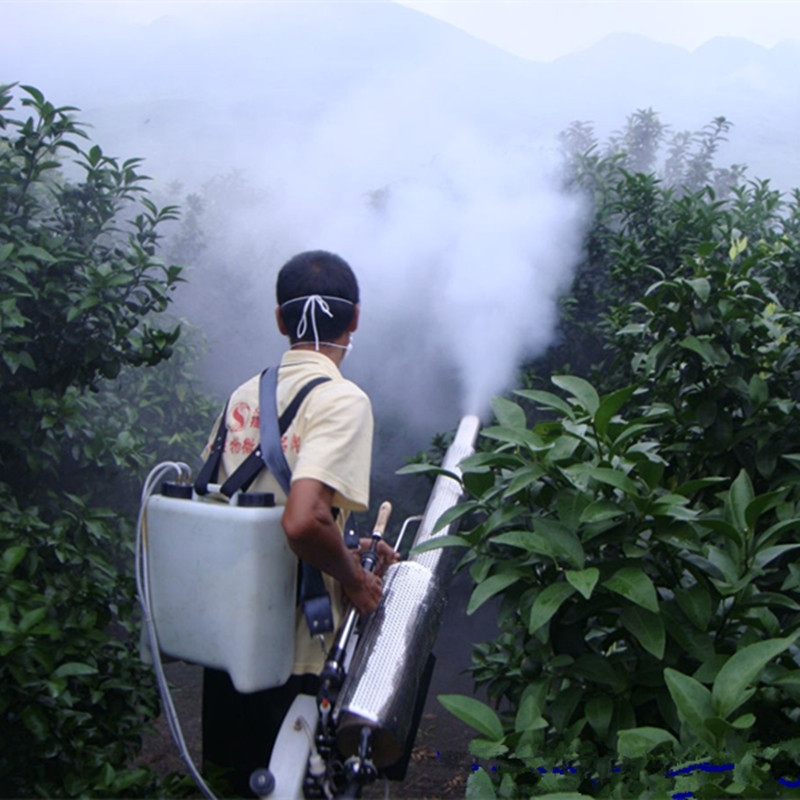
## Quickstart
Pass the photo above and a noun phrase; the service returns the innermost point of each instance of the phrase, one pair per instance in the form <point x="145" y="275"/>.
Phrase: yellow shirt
<point x="329" y="440"/>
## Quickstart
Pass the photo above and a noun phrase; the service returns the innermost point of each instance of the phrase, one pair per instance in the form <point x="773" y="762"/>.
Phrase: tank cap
<point x="182" y="491"/>
<point x="255" y="499"/>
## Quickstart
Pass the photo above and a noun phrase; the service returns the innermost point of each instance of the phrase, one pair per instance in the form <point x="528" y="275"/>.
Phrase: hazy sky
<point x="545" y="29"/>
<point x="537" y="29"/>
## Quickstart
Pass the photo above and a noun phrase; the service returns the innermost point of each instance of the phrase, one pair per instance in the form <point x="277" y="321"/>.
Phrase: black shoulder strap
<point x="209" y="471"/>
<point x="271" y="455"/>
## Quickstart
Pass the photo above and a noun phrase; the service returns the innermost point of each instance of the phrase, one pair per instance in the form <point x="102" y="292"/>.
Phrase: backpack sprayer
<point x="363" y="719"/>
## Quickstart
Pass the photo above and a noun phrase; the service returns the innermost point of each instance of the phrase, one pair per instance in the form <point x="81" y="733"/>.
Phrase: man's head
<point x="317" y="295"/>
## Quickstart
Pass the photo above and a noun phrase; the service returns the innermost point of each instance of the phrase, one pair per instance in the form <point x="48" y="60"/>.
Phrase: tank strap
<point x="209" y="471"/>
<point x="312" y="594"/>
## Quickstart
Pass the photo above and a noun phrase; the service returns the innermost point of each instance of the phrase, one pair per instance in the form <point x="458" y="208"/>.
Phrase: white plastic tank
<point x="222" y="587"/>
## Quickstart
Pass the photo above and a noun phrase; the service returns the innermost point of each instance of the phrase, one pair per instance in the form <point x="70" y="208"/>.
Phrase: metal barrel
<point x="385" y="674"/>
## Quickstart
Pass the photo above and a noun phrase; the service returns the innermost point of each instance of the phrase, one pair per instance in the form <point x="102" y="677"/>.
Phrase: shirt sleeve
<point x="336" y="446"/>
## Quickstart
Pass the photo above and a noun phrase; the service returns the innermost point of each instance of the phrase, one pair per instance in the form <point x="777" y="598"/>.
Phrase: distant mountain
<point x="266" y="68"/>
<point x="419" y="151"/>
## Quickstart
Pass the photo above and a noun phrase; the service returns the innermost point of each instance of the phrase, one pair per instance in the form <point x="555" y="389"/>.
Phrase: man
<point x="328" y="447"/>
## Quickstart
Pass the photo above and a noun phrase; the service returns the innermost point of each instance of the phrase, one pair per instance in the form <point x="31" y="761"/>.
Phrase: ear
<point x="279" y="320"/>
<point x="351" y="328"/>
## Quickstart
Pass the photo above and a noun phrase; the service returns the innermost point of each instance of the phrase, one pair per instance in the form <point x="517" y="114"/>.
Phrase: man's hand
<point x="386" y="555"/>
<point x="366" y="594"/>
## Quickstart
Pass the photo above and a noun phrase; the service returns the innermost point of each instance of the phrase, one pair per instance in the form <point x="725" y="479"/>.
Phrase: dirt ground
<point x="440" y="761"/>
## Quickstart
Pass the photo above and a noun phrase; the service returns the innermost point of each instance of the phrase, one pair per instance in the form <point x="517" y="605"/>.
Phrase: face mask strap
<point x="311" y="303"/>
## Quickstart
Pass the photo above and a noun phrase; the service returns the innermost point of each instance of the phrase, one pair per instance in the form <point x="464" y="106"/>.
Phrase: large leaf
<point x="695" y="601"/>
<point x="639" y="742"/>
<point x="741" y="669"/>
<point x="475" y="713"/>
<point x="508" y="414"/>
<point x="584" y="580"/>
<point x="580" y="389"/>
<point x="480" y="786"/>
<point x="609" y="405"/>
<point x="707" y="349"/>
<point x="738" y="499"/>
<point x="518" y="436"/>
<point x="549" y="538"/>
<point x="547" y="400"/>
<point x="634" y="585"/>
<point x="547" y="602"/>
<point x="647" y="627"/>
<point x="488" y="588"/>
<point x="692" y="700"/>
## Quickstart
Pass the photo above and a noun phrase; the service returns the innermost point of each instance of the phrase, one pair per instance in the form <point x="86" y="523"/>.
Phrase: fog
<point x="426" y="158"/>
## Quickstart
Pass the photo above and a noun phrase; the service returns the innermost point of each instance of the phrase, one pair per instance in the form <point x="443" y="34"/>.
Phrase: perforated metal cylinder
<point x="385" y="675"/>
<point x="388" y="664"/>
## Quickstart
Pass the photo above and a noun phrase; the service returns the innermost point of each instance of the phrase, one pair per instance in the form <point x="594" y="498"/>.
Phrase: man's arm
<point x="314" y="538"/>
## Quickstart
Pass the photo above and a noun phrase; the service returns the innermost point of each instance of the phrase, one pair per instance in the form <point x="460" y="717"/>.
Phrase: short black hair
<point x="317" y="272"/>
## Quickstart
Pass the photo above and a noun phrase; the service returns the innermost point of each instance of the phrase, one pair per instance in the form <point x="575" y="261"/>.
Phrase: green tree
<point x="82" y="296"/>
<point x="642" y="533"/>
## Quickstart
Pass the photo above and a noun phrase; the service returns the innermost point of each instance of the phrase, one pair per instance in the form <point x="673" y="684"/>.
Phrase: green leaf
<point x="483" y="748"/>
<point x="74" y="668"/>
<point x="508" y="414"/>
<point x="769" y="554"/>
<point x="35" y="720"/>
<point x="435" y="542"/>
<point x="32" y="618"/>
<point x="581" y="390"/>
<point x="599" y="711"/>
<point x="583" y="580"/>
<point x="774" y="532"/>
<point x="634" y="585"/>
<point x="455" y="513"/>
<point x="647" y="627"/>
<point x="605" y="475"/>
<point x="426" y="469"/>
<point x="640" y="742"/>
<point x="601" y="510"/>
<point x="529" y="714"/>
<point x="692" y="700"/>
<point x="522" y="479"/>
<point x="550" y="538"/>
<point x="547" y="602"/>
<point x="547" y="400"/>
<point x="712" y="354"/>
<point x="480" y="786"/>
<point x="518" y="436"/>
<point x="701" y="287"/>
<point x="738" y="499"/>
<point x="695" y="602"/>
<point x="12" y="557"/>
<point x="741" y="669"/>
<point x="609" y="405"/>
<point x="474" y="713"/>
<point x="489" y="588"/>
<point x="37" y="253"/>
<point x="758" y="390"/>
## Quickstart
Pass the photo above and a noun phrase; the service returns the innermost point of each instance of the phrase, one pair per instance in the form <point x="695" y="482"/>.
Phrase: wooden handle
<point x="384" y="512"/>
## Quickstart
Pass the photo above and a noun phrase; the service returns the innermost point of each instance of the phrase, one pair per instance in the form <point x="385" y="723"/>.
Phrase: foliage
<point x="635" y="618"/>
<point x="652" y="210"/>
<point x="642" y="537"/>
<point x="82" y="296"/>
